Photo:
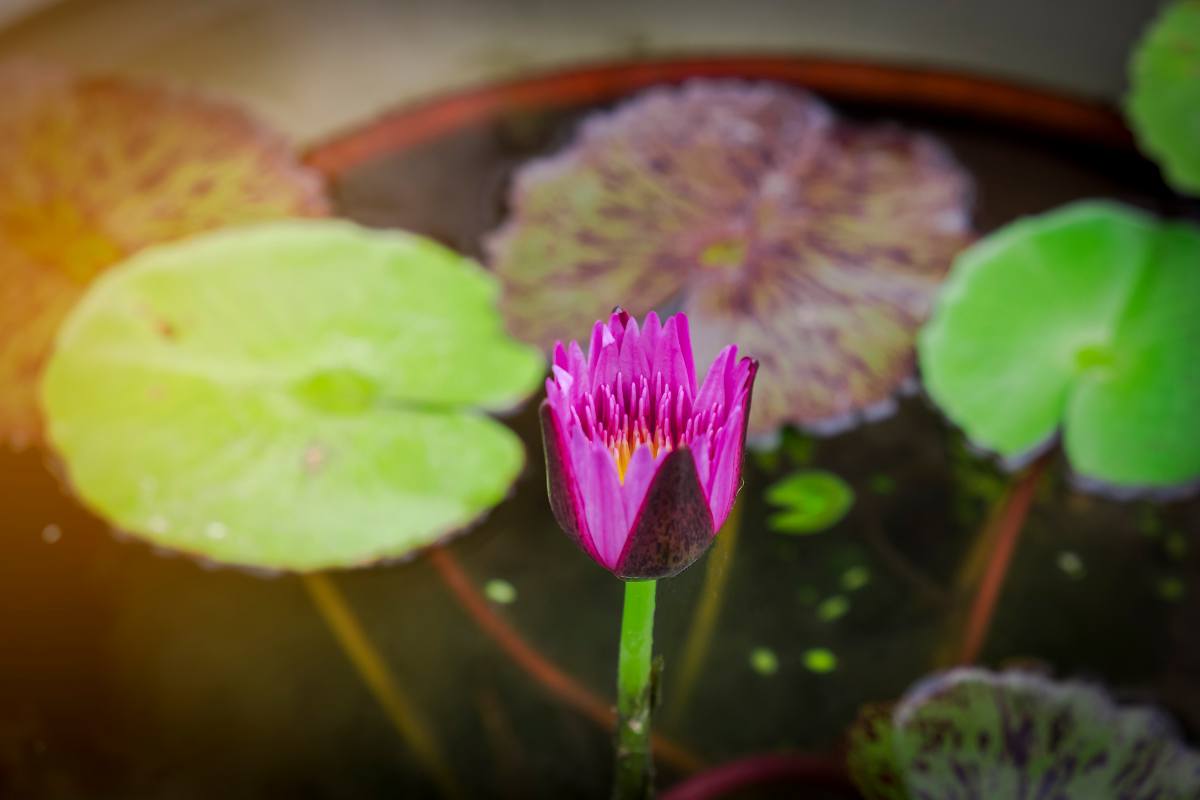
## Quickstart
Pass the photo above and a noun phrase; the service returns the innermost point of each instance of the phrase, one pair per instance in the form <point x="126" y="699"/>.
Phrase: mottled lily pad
<point x="292" y="395"/>
<point x="91" y="170"/>
<point x="1164" y="99"/>
<point x="814" y="244"/>
<point x="972" y="733"/>
<point x="811" y="501"/>
<point x="1086" y="318"/>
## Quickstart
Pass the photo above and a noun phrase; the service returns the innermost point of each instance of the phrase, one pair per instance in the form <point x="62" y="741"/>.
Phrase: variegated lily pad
<point x="93" y="169"/>
<point x="1087" y="319"/>
<point x="814" y="244"/>
<point x="290" y="395"/>
<point x="1164" y="97"/>
<point x="971" y="733"/>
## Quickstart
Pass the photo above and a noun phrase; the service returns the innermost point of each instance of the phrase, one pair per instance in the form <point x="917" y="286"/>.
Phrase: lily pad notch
<point x="1085" y="321"/>
<point x="294" y="395"/>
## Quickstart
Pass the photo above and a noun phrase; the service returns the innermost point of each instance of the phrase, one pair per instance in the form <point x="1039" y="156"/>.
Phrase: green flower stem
<point x="634" y="767"/>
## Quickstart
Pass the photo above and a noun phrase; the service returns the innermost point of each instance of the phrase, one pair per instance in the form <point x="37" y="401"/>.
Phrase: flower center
<point x="623" y="449"/>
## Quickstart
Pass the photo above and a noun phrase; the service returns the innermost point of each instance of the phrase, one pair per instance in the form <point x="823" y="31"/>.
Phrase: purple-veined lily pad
<point x="289" y="395"/>
<point x="93" y="169"/>
<point x="1164" y="98"/>
<point x="1085" y="318"/>
<point x="972" y="733"/>
<point x="814" y="244"/>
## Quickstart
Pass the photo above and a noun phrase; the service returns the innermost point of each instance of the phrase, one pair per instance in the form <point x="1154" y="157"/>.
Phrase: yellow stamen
<point x="623" y="451"/>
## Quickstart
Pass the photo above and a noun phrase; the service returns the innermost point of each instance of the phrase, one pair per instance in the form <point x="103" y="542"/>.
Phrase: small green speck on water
<point x="1171" y="589"/>
<point x="882" y="484"/>
<point x="820" y="660"/>
<point x="855" y="578"/>
<point x="500" y="591"/>
<point x="764" y="661"/>
<point x="832" y="608"/>
<point x="1071" y="564"/>
<point x="1176" y="546"/>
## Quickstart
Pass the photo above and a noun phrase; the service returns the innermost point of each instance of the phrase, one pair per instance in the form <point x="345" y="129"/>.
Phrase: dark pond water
<point x="126" y="673"/>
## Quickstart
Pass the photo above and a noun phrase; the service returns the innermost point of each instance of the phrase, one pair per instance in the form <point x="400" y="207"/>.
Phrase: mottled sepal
<point x="674" y="526"/>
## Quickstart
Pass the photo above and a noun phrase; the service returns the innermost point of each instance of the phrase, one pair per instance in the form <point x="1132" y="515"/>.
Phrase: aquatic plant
<point x="815" y="244"/>
<point x="810" y="500"/>
<point x="974" y="733"/>
<point x="1163" y="104"/>
<point x="643" y="466"/>
<point x="92" y="170"/>
<point x="293" y="395"/>
<point x="1084" y="319"/>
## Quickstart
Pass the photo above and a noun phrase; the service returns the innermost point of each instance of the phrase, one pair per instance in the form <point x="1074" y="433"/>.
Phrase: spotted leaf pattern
<point x="969" y="733"/>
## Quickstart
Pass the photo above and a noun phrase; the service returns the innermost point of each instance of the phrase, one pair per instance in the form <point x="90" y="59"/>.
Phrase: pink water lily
<point x="642" y="465"/>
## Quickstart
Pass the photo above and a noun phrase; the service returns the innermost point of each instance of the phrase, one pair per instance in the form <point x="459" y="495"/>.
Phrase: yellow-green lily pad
<point x="293" y="395"/>
<point x="1164" y="98"/>
<point x="1084" y="319"/>
<point x="93" y="169"/>
<point x="810" y="501"/>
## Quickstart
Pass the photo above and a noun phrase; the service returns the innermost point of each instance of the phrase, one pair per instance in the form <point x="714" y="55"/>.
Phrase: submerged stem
<point x="634" y="767"/>
<point x="375" y="674"/>
<point x="539" y="667"/>
<point x="699" y="637"/>
<point x="997" y="543"/>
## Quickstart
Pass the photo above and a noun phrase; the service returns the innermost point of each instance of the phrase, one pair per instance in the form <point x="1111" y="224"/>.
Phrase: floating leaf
<point x="812" y="501"/>
<point x="91" y="170"/>
<point x="1087" y="318"/>
<point x="820" y="660"/>
<point x="764" y="661"/>
<point x="293" y="395"/>
<point x="871" y="755"/>
<point x="1164" y="101"/>
<point x="972" y="733"/>
<point x="814" y="244"/>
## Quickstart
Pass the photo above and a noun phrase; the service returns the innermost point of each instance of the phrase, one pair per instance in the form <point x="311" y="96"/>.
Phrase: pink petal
<point x="714" y="390"/>
<point x="638" y="475"/>
<point x="603" y="506"/>
<point x="673" y="358"/>
<point x="726" y="469"/>
<point x="651" y="334"/>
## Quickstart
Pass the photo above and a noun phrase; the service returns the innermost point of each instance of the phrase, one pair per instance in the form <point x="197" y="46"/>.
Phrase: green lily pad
<point x="815" y="244"/>
<point x="93" y="169"/>
<point x="972" y="733"/>
<point x="1084" y="319"/>
<point x="812" y="501"/>
<point x="295" y="395"/>
<point x="1164" y="99"/>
